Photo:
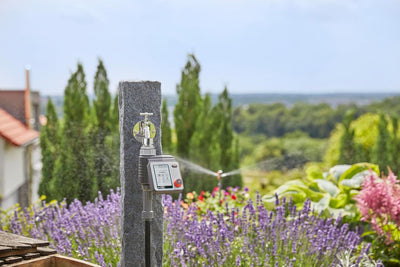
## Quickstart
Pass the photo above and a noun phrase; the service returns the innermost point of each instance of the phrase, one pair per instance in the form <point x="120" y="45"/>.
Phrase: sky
<point x="250" y="46"/>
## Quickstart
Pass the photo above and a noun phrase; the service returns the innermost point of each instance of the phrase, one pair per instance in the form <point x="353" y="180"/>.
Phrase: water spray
<point x="157" y="174"/>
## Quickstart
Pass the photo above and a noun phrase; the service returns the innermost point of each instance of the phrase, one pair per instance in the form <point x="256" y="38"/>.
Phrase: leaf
<point x="339" y="201"/>
<point x="298" y="196"/>
<point x="336" y="172"/>
<point x="356" y="180"/>
<point x="287" y="186"/>
<point x="322" y="204"/>
<point x="313" y="172"/>
<point x="357" y="168"/>
<point x="328" y="187"/>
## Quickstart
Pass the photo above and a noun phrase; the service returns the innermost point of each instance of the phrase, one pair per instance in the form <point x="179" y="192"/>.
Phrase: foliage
<point x="317" y="120"/>
<point x="276" y="120"/>
<point x="347" y="154"/>
<point x="166" y="133"/>
<point x="370" y="138"/>
<point x="89" y="232"/>
<point x="81" y="152"/>
<point x="365" y="130"/>
<point x="347" y="259"/>
<point x="198" y="231"/>
<point x="266" y="181"/>
<point x="204" y="148"/>
<point x="100" y="131"/>
<point x="331" y="192"/>
<point x="258" y="149"/>
<point x="381" y="151"/>
<point x="228" y="157"/>
<point x="217" y="200"/>
<point x="189" y="105"/>
<point x="390" y="106"/>
<point x="49" y="145"/>
<point x="204" y="132"/>
<point x="73" y="171"/>
<point x="253" y="235"/>
<point x="379" y="204"/>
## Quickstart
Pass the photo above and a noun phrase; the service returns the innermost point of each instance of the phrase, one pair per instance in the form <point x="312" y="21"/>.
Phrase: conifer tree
<point x="115" y="143"/>
<point x="102" y="101"/>
<point x="204" y="144"/>
<point x="73" y="166"/>
<point x="381" y="153"/>
<point x="189" y="104"/>
<point x="347" y="148"/>
<point x="114" y="115"/>
<point x="49" y="144"/>
<point x="102" y="151"/>
<point x="395" y="147"/>
<point x="226" y="132"/>
<point x="226" y="141"/>
<point x="166" y="134"/>
<point x="204" y="147"/>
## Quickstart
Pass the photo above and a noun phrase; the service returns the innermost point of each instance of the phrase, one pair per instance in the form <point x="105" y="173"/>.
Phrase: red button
<point x="178" y="183"/>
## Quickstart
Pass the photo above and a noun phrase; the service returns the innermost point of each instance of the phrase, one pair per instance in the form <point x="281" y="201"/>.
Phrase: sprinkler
<point x="158" y="174"/>
<point x="219" y="175"/>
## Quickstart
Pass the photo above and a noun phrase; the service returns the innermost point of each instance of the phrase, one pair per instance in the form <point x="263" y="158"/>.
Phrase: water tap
<point x="144" y="131"/>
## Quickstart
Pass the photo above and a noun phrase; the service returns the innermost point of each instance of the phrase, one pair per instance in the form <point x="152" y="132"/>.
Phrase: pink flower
<point x="379" y="202"/>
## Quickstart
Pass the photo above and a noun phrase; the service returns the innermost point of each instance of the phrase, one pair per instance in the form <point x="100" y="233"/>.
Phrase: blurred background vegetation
<point x="270" y="143"/>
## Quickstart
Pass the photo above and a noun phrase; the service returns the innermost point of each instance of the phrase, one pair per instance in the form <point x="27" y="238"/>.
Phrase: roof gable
<point x="15" y="131"/>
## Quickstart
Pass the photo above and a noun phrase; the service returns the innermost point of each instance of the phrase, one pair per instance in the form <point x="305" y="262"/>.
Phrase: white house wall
<point x="2" y="143"/>
<point x="14" y="175"/>
<point x="37" y="170"/>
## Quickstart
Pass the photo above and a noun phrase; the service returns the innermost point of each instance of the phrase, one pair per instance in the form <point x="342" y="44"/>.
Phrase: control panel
<point x="164" y="174"/>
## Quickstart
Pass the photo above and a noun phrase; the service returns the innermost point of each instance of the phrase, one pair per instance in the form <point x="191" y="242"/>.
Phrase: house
<point x="20" y="157"/>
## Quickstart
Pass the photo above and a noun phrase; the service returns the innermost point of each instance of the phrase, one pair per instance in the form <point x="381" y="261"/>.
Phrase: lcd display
<point x="162" y="175"/>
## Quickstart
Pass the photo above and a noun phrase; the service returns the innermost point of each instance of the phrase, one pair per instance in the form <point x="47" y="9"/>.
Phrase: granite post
<point x="134" y="98"/>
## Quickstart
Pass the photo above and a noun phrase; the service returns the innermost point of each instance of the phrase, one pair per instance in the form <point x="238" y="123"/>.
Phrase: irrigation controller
<point x="158" y="174"/>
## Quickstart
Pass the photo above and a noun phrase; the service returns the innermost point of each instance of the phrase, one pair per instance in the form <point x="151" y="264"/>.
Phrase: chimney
<point x="27" y="97"/>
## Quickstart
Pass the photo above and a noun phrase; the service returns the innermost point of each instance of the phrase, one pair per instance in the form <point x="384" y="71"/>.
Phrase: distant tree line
<point x="276" y="120"/>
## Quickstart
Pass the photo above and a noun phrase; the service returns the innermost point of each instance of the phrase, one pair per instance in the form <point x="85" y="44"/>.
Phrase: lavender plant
<point x="89" y="232"/>
<point x="249" y="236"/>
<point x="254" y="236"/>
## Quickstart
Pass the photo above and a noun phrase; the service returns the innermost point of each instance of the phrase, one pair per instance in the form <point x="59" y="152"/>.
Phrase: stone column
<point x="134" y="98"/>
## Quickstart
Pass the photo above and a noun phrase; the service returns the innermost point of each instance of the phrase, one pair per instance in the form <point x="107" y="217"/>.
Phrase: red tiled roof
<point x="15" y="131"/>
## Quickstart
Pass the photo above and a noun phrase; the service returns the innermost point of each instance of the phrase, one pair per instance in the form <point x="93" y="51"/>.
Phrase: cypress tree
<point x="188" y="108"/>
<point x="395" y="147"/>
<point x="102" y="101"/>
<point x="115" y="143"/>
<point x="73" y="167"/>
<point x="226" y="132"/>
<point x="166" y="134"/>
<point x="347" y="148"/>
<point x="227" y="160"/>
<point x="101" y="151"/>
<point x="204" y="147"/>
<point x="49" y="144"/>
<point x="114" y="116"/>
<point x="381" y="153"/>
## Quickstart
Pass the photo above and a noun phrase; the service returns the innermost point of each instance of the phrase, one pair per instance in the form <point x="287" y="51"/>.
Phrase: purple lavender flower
<point x="253" y="236"/>
<point x="256" y="236"/>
